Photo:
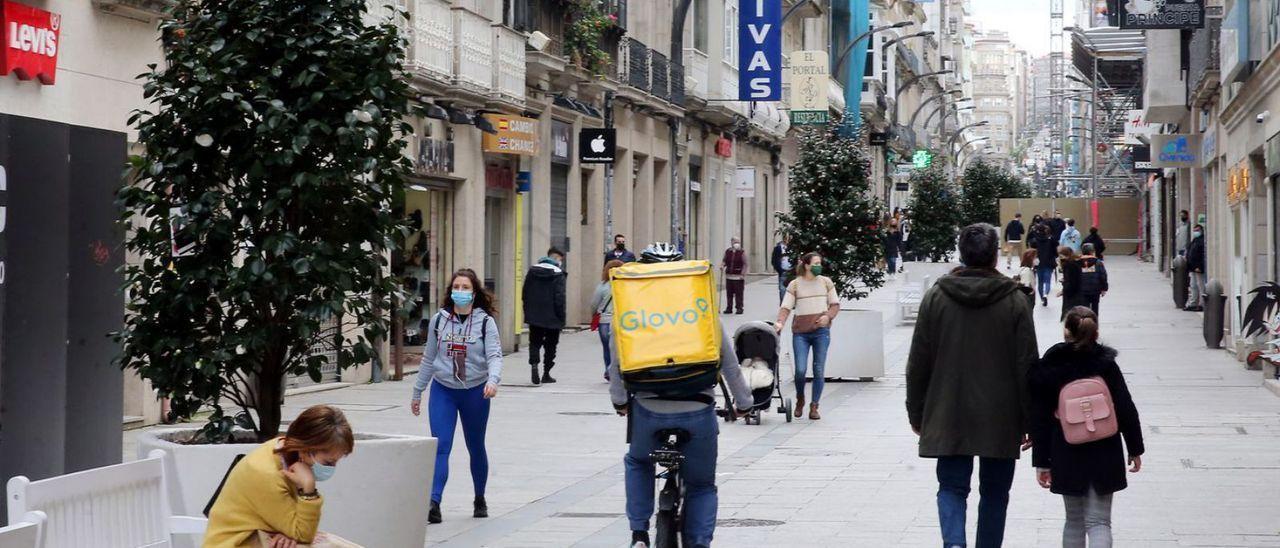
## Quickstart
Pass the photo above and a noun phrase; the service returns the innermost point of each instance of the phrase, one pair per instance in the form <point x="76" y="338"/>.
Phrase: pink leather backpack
<point x="1086" y="411"/>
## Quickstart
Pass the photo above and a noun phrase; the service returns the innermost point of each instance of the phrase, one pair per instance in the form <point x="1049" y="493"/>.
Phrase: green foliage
<point x="983" y="186"/>
<point x="276" y="131"/>
<point x="934" y="215"/>
<point x="583" y="35"/>
<point x="833" y="210"/>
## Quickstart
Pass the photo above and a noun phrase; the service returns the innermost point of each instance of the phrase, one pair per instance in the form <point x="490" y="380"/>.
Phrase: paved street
<point x="853" y="478"/>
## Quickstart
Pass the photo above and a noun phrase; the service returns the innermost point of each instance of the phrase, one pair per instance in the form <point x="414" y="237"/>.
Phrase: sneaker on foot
<point x="639" y="539"/>
<point x="536" y="378"/>
<point x="482" y="508"/>
<point x="434" y="516"/>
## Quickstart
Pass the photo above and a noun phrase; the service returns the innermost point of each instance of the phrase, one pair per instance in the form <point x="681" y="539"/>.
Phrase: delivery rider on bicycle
<point x="692" y="411"/>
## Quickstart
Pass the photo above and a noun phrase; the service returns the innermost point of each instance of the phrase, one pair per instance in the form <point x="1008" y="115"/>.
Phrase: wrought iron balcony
<point x="660" y="74"/>
<point x="637" y="65"/>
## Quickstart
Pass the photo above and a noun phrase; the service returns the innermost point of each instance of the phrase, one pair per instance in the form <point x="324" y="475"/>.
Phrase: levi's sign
<point x="29" y="41"/>
<point x="760" y="51"/>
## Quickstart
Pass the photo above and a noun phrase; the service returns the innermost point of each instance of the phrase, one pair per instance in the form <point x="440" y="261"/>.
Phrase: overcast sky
<point x="1026" y="21"/>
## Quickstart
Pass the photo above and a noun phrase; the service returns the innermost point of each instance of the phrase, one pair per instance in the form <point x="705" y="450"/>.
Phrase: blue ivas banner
<point x="760" y="51"/>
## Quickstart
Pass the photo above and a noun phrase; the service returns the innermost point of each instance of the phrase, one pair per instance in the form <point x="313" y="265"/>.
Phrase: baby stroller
<point x="758" y="342"/>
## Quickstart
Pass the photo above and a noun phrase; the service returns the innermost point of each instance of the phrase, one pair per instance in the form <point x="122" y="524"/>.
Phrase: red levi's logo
<point x="31" y="40"/>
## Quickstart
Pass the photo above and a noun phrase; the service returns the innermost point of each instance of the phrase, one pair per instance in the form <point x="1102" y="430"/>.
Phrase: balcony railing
<point x="729" y="88"/>
<point x="617" y="8"/>
<point x="660" y="73"/>
<point x="473" y="44"/>
<point x="548" y="17"/>
<point x="432" y="42"/>
<point x="508" y="69"/>
<point x="697" y="67"/>
<point x="1206" y="59"/>
<point x="637" y="64"/>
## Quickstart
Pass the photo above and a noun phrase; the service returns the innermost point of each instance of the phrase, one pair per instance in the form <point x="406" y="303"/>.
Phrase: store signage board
<point x="1272" y="155"/>
<point x="561" y="152"/>
<point x="30" y="39"/>
<point x="809" y="75"/>
<point x="744" y="183"/>
<point x="724" y="148"/>
<point x="597" y="146"/>
<point x="1175" y="151"/>
<point x="1135" y="126"/>
<point x="760" y="50"/>
<point x="435" y="157"/>
<point x="1161" y="14"/>
<point x="516" y="135"/>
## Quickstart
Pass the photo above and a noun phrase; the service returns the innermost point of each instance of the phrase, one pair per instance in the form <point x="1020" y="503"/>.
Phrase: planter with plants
<point x="261" y="208"/>
<point x="584" y="33"/>
<point x="835" y="213"/>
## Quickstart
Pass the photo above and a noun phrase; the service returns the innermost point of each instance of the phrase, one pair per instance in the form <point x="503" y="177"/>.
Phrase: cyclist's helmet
<point x="661" y="252"/>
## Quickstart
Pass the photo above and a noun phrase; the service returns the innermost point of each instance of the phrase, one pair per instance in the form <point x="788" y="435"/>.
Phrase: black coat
<point x="1014" y="231"/>
<point x="625" y="256"/>
<point x="1099" y="246"/>
<point x="891" y="243"/>
<point x="1195" y="255"/>
<point x="544" y="296"/>
<point x="1100" y="464"/>
<point x="1046" y="247"/>
<point x="1056" y="228"/>
<point x="1072" y="286"/>
<point x="1093" y="277"/>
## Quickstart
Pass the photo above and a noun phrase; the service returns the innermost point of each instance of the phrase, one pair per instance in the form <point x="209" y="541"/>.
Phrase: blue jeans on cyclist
<point x="698" y="469"/>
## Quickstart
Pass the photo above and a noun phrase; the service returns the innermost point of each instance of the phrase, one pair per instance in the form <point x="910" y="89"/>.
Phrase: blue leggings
<point x="443" y="410"/>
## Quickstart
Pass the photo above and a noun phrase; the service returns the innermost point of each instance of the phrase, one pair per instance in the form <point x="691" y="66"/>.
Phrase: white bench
<point x="120" y="506"/>
<point x="24" y="533"/>
<point x="909" y="300"/>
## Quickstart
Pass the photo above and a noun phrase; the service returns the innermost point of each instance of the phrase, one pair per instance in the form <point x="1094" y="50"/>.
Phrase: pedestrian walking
<point x="1195" y="269"/>
<point x="620" y="251"/>
<point x="781" y="262"/>
<point x="274" y="487"/>
<point x="1071" y="237"/>
<point x="1036" y="220"/>
<point x="602" y="310"/>
<point x="1087" y="474"/>
<point x="1099" y="245"/>
<point x="1071" y="274"/>
<point x="1093" y="279"/>
<point x="462" y="362"/>
<point x="544" y="310"/>
<point x="812" y="298"/>
<point x="1026" y="276"/>
<point x="1057" y="225"/>
<point x="1046" y="260"/>
<point x="1182" y="236"/>
<point x="892" y="243"/>
<point x="905" y="249"/>
<point x="967" y="394"/>
<point x="734" y="267"/>
<point x="671" y="404"/>
<point x="1013" y="234"/>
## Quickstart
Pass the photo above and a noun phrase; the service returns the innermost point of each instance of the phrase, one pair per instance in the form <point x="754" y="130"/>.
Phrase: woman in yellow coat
<point x="273" y="488"/>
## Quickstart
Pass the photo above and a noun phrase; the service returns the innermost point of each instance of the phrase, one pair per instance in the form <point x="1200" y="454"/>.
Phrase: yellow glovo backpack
<point x="666" y="322"/>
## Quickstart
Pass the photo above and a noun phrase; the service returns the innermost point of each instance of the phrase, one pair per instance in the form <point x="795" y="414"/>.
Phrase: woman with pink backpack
<point x="1080" y="408"/>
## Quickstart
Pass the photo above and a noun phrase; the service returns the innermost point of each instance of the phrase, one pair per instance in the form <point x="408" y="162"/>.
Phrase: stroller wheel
<point x="786" y="408"/>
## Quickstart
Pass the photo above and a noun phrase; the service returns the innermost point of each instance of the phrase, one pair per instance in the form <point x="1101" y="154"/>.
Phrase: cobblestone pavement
<point x="853" y="478"/>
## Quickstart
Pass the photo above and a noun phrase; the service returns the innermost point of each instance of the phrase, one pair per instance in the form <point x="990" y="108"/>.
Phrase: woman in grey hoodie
<point x="462" y="361"/>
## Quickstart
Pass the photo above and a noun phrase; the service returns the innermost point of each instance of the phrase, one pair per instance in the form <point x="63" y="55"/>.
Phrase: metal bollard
<point x="1181" y="279"/>
<point x="1215" y="308"/>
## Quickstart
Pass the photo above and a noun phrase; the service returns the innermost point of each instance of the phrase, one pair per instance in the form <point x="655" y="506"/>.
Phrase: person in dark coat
<point x="1013" y="234"/>
<point x="1099" y="246"/>
<point x="1071" y="274"/>
<point x="967" y="393"/>
<point x="892" y="243"/>
<point x="1195" y="269"/>
<point x="781" y="261"/>
<point x="544" y="311"/>
<point x="1046" y="260"/>
<point x="1093" y="279"/>
<point x="1088" y="474"/>
<point x="1057" y="225"/>
<point x="620" y="251"/>
<point x="734" y="266"/>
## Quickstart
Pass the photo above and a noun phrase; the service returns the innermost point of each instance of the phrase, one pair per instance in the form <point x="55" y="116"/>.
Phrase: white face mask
<point x="737" y="246"/>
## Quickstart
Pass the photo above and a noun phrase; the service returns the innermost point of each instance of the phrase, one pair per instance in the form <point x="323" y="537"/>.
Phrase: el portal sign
<point x="30" y="40"/>
<point x="760" y="51"/>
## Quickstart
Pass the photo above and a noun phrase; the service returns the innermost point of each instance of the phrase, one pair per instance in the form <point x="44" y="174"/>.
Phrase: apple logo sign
<point x="597" y="144"/>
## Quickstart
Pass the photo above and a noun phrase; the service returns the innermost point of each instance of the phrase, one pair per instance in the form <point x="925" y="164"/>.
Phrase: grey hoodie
<point x="729" y="370"/>
<point x="482" y="355"/>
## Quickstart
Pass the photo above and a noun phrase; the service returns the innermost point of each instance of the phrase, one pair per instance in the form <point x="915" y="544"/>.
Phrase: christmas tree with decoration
<point x="834" y="211"/>
<point x="934" y="215"/>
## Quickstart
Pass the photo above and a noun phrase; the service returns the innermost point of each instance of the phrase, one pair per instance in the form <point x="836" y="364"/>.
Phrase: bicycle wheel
<point x="667" y="530"/>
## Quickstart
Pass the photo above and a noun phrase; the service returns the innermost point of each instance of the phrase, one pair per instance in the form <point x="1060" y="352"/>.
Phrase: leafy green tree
<point x="982" y="187"/>
<point x="273" y="151"/>
<point x="834" y="211"/>
<point x="933" y="214"/>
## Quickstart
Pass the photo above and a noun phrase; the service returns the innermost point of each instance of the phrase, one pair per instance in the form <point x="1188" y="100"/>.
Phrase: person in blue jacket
<point x="462" y="361"/>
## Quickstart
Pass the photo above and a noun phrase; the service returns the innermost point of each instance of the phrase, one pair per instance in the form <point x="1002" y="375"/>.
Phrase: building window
<point x="731" y="32"/>
<point x="701" y="25"/>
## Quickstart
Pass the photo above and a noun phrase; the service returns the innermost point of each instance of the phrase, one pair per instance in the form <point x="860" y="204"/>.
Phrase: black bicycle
<point x="668" y="455"/>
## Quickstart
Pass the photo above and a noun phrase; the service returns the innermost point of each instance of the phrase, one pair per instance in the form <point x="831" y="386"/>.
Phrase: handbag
<point x="595" y="318"/>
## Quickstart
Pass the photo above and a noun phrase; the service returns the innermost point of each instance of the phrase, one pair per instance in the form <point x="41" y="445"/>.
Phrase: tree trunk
<point x="269" y="398"/>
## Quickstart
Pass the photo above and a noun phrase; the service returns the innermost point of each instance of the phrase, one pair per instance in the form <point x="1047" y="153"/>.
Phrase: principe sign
<point x="29" y="42"/>
<point x="1161" y="14"/>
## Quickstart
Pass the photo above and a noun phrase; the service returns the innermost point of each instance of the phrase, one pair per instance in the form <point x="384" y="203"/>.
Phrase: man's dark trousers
<point x="735" y="290"/>
<point x="542" y="338"/>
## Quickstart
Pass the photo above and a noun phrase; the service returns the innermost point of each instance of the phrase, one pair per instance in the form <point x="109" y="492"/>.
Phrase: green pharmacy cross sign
<point x="922" y="159"/>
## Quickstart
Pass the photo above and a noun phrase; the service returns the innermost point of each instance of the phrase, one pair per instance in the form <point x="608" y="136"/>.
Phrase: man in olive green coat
<point x="967" y="390"/>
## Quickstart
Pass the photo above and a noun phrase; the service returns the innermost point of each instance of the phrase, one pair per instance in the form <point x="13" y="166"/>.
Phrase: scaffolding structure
<point x="1057" y="117"/>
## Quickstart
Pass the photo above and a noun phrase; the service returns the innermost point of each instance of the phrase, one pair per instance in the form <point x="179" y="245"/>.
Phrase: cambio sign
<point x="760" y="51"/>
<point x="29" y="42"/>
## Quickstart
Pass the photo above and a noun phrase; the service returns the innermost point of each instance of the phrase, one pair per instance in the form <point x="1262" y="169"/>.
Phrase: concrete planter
<point x="857" y="345"/>
<point x="379" y="497"/>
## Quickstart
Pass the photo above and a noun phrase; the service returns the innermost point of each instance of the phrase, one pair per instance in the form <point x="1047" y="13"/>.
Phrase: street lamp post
<point x="845" y="53"/>
<point x="931" y="99"/>
<point x="908" y="84"/>
<point x="951" y="143"/>
<point x="965" y="145"/>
